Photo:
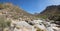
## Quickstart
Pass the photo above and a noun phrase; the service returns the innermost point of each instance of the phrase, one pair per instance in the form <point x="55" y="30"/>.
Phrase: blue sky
<point x="33" y="6"/>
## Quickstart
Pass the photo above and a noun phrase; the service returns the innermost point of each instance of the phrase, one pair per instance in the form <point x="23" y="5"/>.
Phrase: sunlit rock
<point x="23" y="26"/>
<point x="6" y="29"/>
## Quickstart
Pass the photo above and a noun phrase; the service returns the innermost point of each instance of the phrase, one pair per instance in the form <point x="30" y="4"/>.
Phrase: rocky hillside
<point x="13" y="18"/>
<point x="51" y="12"/>
<point x="12" y="11"/>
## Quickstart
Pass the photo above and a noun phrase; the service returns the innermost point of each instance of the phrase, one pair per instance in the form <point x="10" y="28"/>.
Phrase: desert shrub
<point x="3" y="22"/>
<point x="1" y="6"/>
<point x="44" y="17"/>
<point x="38" y="29"/>
<point x="8" y="23"/>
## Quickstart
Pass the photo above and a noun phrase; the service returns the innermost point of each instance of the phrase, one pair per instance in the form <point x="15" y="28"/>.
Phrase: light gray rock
<point x="25" y="26"/>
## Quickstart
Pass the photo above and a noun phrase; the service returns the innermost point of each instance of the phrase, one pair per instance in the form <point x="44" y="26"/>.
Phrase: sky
<point x="33" y="6"/>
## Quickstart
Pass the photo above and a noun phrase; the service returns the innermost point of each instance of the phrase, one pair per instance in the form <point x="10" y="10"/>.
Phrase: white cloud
<point x="54" y="2"/>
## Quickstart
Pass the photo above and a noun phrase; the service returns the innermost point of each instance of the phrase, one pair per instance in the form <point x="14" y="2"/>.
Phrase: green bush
<point x="4" y="23"/>
<point x="8" y="23"/>
<point x="44" y="17"/>
<point x="38" y="29"/>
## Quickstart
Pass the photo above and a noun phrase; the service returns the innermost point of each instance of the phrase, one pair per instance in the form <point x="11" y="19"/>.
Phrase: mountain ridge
<point x="51" y="12"/>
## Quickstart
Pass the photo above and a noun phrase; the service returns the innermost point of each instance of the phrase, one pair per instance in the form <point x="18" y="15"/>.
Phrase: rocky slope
<point x="9" y="13"/>
<point x="51" y="13"/>
<point x="13" y="18"/>
<point x="35" y="25"/>
<point x="14" y="12"/>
